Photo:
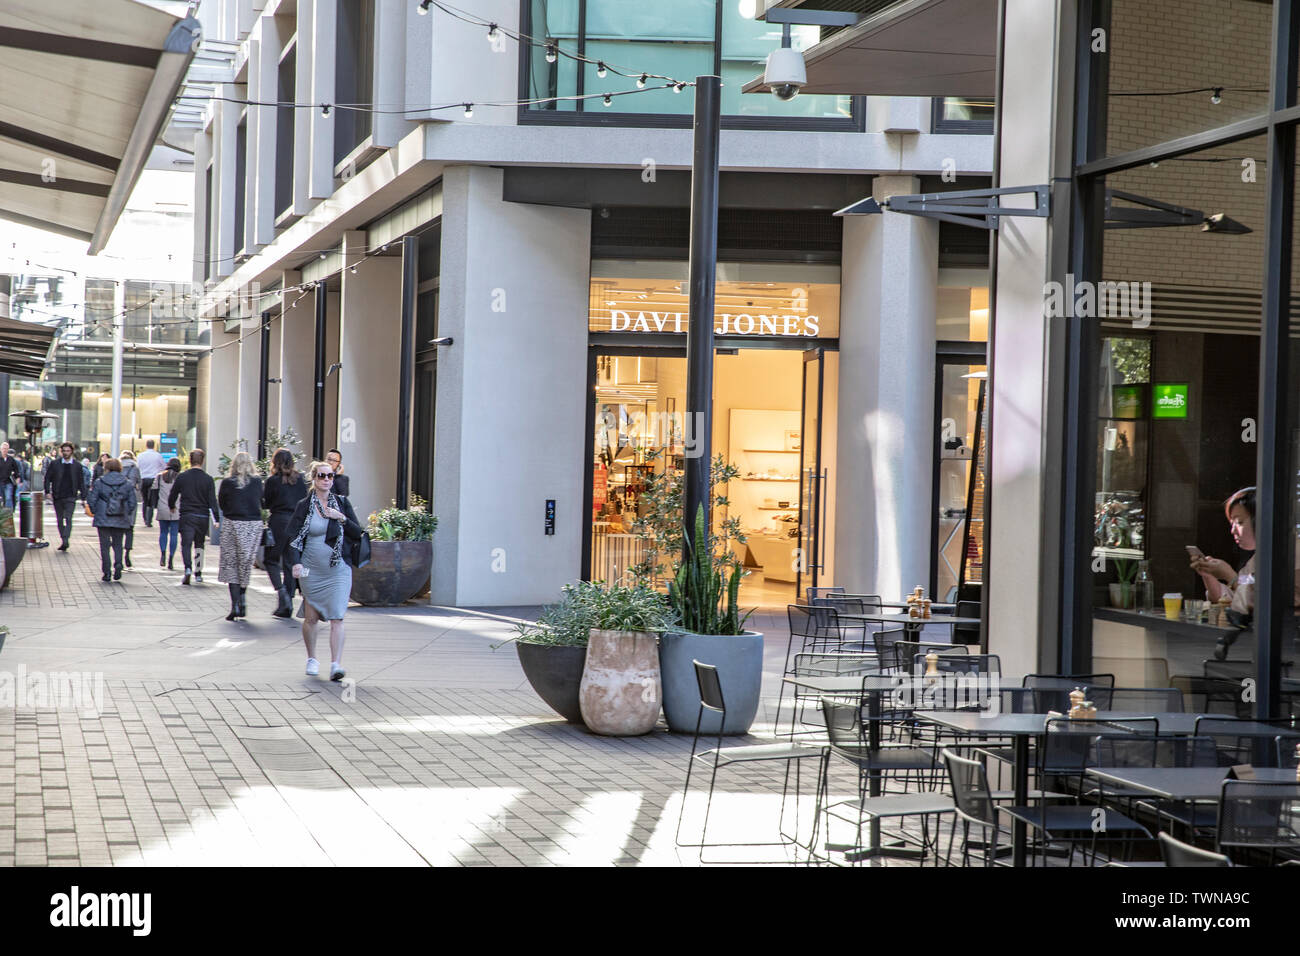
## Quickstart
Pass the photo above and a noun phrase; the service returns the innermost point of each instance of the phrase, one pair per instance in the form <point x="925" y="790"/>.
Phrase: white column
<point x="202" y="155"/>
<point x="223" y="393"/>
<point x="320" y="41"/>
<point x="250" y="363"/>
<point x="371" y="313"/>
<point x="223" y="181"/>
<point x="1019" y="346"/>
<point x="263" y="84"/>
<point x="886" y="397"/>
<point x="119" y="323"/>
<point x="296" y="387"/>
<point x="304" y="59"/>
<point x="512" y="397"/>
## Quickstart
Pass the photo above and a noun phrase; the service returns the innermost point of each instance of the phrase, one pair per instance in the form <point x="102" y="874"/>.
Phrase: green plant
<point x="697" y="590"/>
<point x="662" y="524"/>
<point x="403" y="524"/>
<point x="274" y="439"/>
<point x="593" y="604"/>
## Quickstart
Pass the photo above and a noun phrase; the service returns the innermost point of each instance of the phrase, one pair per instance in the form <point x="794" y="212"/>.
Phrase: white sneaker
<point x="336" y="672"/>
<point x="313" y="667"/>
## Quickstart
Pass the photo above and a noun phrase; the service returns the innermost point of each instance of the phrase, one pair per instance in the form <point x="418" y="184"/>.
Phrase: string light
<point x="424" y="7"/>
<point x="551" y="55"/>
<point x="608" y="99"/>
<point x="600" y="69"/>
<point x="469" y="111"/>
<point x="324" y="109"/>
<point x="492" y="33"/>
<point x="1217" y="96"/>
<point x="640" y="84"/>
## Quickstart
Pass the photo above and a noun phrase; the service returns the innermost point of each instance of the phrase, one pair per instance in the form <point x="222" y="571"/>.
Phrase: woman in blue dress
<point x="317" y="542"/>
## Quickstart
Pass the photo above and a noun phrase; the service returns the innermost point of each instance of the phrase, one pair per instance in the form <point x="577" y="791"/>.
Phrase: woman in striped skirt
<point x="240" y="501"/>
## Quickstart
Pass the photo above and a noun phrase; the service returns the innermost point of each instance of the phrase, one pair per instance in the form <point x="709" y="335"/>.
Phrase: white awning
<point x="914" y="48"/>
<point x="85" y="88"/>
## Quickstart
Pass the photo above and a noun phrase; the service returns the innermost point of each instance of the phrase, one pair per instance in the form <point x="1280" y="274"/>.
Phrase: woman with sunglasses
<point x="316" y="543"/>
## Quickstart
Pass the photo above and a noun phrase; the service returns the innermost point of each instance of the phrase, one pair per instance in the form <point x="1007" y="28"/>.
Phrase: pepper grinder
<point x="1076" y="703"/>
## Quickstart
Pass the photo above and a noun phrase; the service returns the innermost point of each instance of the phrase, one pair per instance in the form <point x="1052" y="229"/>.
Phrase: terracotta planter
<point x="621" y="691"/>
<point x="397" y="572"/>
<point x="555" y="673"/>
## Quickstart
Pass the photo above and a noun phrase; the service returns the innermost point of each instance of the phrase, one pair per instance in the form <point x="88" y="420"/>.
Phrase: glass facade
<point x="1181" y="292"/>
<point x="681" y="39"/>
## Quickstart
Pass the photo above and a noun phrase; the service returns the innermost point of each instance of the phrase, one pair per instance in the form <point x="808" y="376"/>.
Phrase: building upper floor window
<point x="354" y="73"/>
<point x="681" y="39"/>
<point x="963" y="114"/>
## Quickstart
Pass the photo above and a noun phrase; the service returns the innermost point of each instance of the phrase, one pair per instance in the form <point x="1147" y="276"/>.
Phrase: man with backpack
<point x="112" y="501"/>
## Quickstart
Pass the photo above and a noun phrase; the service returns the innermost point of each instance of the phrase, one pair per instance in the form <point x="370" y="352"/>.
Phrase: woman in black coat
<point x="280" y="495"/>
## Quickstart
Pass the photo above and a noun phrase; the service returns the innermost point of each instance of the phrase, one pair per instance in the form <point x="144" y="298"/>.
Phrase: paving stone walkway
<point x="209" y="745"/>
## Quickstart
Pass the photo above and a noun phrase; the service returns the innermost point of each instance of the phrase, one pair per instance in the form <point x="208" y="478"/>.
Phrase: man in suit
<point x="197" y="494"/>
<point x="65" y="482"/>
<point x="10" y="476"/>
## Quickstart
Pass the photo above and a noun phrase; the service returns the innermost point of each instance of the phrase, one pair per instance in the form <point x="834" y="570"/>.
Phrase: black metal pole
<point x="318" y="410"/>
<point x="703" y="273"/>
<point x="406" y="374"/>
<point x="264" y="385"/>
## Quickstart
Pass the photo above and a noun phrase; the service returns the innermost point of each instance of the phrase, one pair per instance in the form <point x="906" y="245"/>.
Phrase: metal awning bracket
<point x="967" y="207"/>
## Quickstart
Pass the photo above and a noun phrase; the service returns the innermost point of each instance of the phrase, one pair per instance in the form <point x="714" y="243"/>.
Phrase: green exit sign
<point x="1168" y="401"/>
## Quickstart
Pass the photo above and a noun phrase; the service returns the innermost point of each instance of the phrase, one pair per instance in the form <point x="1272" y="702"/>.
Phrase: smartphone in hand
<point x="1194" y="552"/>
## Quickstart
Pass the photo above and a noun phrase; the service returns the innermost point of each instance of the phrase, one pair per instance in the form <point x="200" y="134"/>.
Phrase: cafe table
<point x="912" y="624"/>
<point x="1020" y="728"/>
<point x="1181" y="783"/>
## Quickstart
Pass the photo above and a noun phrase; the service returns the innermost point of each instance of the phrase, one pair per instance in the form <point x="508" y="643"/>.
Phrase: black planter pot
<point x="397" y="572"/>
<point x="15" y="549"/>
<point x="555" y="673"/>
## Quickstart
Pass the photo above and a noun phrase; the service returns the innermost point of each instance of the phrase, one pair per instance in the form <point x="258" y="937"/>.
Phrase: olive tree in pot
<point x="593" y="656"/>
<point x="401" y="555"/>
<point x="704" y="593"/>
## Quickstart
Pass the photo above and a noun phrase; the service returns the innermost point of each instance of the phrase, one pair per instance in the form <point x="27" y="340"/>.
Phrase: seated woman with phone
<point x="1221" y="581"/>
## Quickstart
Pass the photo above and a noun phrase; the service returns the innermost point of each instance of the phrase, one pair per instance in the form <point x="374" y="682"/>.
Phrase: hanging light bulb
<point x="424" y="7"/>
<point x="551" y="54"/>
<point x="1217" y="96"/>
<point x="469" y="111"/>
<point x="600" y="69"/>
<point x="640" y="84"/>
<point x="678" y="87"/>
<point x="492" y="33"/>
<point x="324" y="109"/>
<point x="353" y="270"/>
<point x="322" y="256"/>
<point x="608" y="99"/>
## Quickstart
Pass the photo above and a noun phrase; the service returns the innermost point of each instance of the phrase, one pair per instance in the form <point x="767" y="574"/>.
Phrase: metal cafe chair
<point x="816" y="630"/>
<point x="850" y="735"/>
<point x="1240" y="740"/>
<point x="719" y="757"/>
<point x="1177" y="853"/>
<point x="966" y="633"/>
<point x="815" y="593"/>
<point x="1052" y="691"/>
<point x="1256" y="815"/>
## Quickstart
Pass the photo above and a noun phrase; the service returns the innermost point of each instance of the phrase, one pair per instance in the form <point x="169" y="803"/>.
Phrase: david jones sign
<point x="724" y="324"/>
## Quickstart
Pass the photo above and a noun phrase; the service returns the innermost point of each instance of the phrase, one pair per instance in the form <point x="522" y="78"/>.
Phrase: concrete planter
<point x="555" y="673"/>
<point x="739" y="660"/>
<point x="397" y="572"/>
<point x="621" y="689"/>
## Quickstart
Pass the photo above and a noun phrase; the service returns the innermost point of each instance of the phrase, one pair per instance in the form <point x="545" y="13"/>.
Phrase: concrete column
<point x="1020" y="343"/>
<point x="392" y="22"/>
<point x="296" y="343"/>
<point x="202" y="155"/>
<point x="250" y="366"/>
<point x="223" y="180"/>
<point x="886" y="397"/>
<point x="263" y="66"/>
<point x="304" y="58"/>
<point x="223" y="394"/>
<point x="467" y="68"/>
<point x="368" y="383"/>
<point x="511" y="412"/>
<point x="319" y="143"/>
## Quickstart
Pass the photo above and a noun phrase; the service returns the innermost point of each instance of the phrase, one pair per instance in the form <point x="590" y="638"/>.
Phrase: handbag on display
<point x="359" y="550"/>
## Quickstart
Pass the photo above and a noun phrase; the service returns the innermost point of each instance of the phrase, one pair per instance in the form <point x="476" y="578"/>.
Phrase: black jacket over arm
<point x="351" y="529"/>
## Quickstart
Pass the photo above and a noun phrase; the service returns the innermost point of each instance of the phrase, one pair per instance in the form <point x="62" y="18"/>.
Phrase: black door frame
<point x="655" y="345"/>
<point x="946" y="353"/>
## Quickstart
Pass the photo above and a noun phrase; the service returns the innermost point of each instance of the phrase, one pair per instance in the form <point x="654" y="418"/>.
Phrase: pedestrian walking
<point x="168" y="517"/>
<point x="197" y="495"/>
<point x="131" y="472"/>
<point x="281" y="493"/>
<point x="65" y="482"/>
<point x="240" y="500"/>
<point x="151" y="466"/>
<point x="319" y="532"/>
<point x="11" y="474"/>
<point x="112" y="502"/>
<point x="342" y="484"/>
<point x="98" y="470"/>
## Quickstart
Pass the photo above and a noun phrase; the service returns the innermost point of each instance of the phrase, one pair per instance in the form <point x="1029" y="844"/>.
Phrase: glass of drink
<point x="1173" y="606"/>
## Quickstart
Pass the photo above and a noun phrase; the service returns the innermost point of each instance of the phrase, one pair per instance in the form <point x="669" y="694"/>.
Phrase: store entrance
<point x="639" y="430"/>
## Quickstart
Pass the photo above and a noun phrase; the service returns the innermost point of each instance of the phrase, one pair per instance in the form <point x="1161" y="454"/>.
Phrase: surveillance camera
<point x="785" y="75"/>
